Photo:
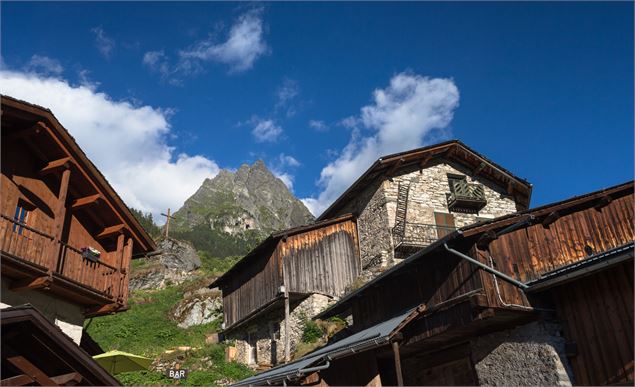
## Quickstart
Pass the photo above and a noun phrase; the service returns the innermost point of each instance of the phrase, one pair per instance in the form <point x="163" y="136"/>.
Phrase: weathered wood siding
<point x="321" y="261"/>
<point x="433" y="280"/>
<point x="597" y="315"/>
<point x="252" y="288"/>
<point x="530" y="252"/>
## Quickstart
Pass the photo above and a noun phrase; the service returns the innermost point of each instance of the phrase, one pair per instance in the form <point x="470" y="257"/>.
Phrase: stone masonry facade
<point x="528" y="355"/>
<point x="376" y="208"/>
<point x="261" y="342"/>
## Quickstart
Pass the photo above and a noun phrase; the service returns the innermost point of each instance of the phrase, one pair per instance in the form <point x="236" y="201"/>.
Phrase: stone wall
<point x="428" y="194"/>
<point x="529" y="355"/>
<point x="376" y="207"/>
<point x="374" y="232"/>
<point x="67" y="316"/>
<point x="267" y="332"/>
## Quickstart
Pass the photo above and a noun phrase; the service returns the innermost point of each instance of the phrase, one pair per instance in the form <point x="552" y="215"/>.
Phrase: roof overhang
<point x="35" y="348"/>
<point x="453" y="150"/>
<point x="44" y="121"/>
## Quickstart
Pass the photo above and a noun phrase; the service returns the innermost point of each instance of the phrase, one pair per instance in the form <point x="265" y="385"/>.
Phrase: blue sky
<point x="320" y="90"/>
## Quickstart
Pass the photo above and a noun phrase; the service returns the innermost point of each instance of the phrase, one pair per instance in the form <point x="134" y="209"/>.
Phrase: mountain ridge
<point x="242" y="206"/>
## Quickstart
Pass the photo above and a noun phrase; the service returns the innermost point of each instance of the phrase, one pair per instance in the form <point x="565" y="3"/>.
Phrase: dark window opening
<point x="21" y="217"/>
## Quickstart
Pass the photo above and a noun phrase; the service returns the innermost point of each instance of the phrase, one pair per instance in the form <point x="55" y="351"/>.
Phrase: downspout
<point x="488" y="269"/>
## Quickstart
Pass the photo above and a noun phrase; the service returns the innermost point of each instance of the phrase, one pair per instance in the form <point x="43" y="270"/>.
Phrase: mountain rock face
<point x="252" y="198"/>
<point x="173" y="266"/>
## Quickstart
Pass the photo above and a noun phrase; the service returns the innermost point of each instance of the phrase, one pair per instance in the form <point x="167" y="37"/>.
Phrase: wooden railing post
<point x="124" y="269"/>
<point x="58" y="225"/>
<point x="118" y="280"/>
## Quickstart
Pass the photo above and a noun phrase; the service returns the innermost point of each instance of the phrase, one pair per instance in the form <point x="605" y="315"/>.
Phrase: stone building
<point x="406" y="201"/>
<point x="401" y="204"/>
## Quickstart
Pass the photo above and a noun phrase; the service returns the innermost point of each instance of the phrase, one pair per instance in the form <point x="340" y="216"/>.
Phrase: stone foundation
<point x="267" y="335"/>
<point x="529" y="355"/>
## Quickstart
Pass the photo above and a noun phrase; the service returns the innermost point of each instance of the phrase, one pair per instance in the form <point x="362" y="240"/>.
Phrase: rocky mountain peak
<point x="252" y="198"/>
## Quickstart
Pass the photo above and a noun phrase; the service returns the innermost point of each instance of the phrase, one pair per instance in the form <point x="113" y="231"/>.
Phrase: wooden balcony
<point x="466" y="197"/>
<point x="35" y="260"/>
<point x="416" y="236"/>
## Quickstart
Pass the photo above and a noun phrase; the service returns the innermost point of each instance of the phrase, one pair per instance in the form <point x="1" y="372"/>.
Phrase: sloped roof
<point x="270" y="243"/>
<point x="453" y="150"/>
<point x="376" y="335"/>
<point x="472" y="232"/>
<point x="47" y="348"/>
<point x="36" y="112"/>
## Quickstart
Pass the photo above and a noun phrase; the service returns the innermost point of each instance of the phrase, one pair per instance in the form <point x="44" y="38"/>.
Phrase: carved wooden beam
<point x="19" y="380"/>
<point x="31" y="370"/>
<point x="31" y="283"/>
<point x="510" y="187"/>
<point x="56" y="165"/>
<point x="425" y="161"/>
<point x="27" y="132"/>
<point x="485" y="239"/>
<point x="479" y="169"/>
<point x="70" y="379"/>
<point x="395" y="167"/>
<point x="552" y="217"/>
<point x="110" y="231"/>
<point x="603" y="202"/>
<point x="86" y="201"/>
<point x="101" y="310"/>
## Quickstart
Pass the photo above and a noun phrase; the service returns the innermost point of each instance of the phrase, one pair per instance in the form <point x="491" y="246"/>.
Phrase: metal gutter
<point x="361" y="346"/>
<point x="488" y="269"/>
<point x="582" y="268"/>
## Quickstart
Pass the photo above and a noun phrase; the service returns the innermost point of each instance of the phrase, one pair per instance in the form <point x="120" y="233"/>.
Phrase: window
<point x="445" y="223"/>
<point x="21" y="217"/>
<point x="252" y="347"/>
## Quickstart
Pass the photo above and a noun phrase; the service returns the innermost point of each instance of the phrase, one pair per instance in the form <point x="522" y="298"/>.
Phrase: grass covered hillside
<point x="146" y="329"/>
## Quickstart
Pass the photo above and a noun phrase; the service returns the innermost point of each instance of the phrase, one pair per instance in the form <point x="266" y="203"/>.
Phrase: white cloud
<point x="245" y="43"/>
<point x="401" y="117"/>
<point x="281" y="166"/>
<point x="286" y="178"/>
<point x="44" y="65"/>
<point x="159" y="63"/>
<point x="286" y="92"/>
<point x="266" y="131"/>
<point x="320" y="126"/>
<point x="126" y="142"/>
<point x="288" y="161"/>
<point x="104" y="43"/>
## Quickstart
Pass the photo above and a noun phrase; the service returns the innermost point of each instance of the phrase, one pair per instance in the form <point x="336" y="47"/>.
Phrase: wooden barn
<point x="66" y="237"/>
<point x="319" y="260"/>
<point x="544" y="296"/>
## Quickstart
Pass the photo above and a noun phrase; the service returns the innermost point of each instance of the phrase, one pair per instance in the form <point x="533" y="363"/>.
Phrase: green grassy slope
<point x="146" y="330"/>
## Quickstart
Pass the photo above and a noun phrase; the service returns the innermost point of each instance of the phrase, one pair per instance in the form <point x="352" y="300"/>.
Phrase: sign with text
<point x="176" y="374"/>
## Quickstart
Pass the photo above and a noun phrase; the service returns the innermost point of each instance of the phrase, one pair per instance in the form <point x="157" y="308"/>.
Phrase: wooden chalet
<point x="63" y="229"/>
<point x="318" y="258"/>
<point x="66" y="241"/>
<point x="419" y="323"/>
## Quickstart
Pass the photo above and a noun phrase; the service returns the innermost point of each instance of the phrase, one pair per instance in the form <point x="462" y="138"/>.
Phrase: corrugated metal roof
<point x="378" y="334"/>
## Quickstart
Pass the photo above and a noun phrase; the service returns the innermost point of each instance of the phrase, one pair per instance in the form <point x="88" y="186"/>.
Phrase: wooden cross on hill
<point x="167" y="223"/>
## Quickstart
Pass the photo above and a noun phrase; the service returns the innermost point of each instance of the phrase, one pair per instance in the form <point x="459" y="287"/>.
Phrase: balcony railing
<point x="29" y="244"/>
<point x="467" y="197"/>
<point x="418" y="235"/>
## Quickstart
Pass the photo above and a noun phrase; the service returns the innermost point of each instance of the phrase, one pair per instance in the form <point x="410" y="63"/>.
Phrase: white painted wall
<point x="64" y="314"/>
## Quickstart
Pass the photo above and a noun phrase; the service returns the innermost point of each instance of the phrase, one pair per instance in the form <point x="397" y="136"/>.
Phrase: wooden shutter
<point x="444" y="222"/>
